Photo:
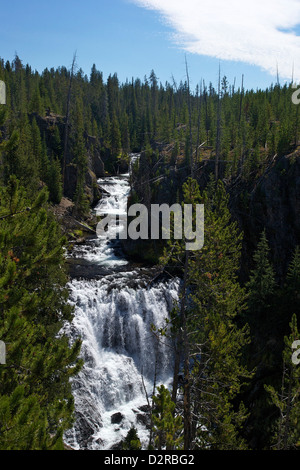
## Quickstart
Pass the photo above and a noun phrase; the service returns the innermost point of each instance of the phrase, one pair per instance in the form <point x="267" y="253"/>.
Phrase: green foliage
<point x="54" y="180"/>
<point x="218" y="301"/>
<point x="115" y="137"/>
<point x="269" y="307"/>
<point x="135" y="116"/>
<point x="36" y="404"/>
<point x="286" y="399"/>
<point x="205" y="326"/>
<point x="131" y="441"/>
<point x="262" y="283"/>
<point x="292" y="285"/>
<point x="166" y="427"/>
<point x="125" y="117"/>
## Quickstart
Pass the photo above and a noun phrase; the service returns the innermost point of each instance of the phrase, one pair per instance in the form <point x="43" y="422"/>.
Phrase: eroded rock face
<point x="83" y="432"/>
<point x="117" y="418"/>
<point x="95" y="170"/>
<point x="273" y="203"/>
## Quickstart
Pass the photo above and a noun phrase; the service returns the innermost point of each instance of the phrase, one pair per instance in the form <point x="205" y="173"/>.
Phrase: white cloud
<point x="258" y="32"/>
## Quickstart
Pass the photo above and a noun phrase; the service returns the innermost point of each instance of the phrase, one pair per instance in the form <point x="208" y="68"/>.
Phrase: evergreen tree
<point x="115" y="137"/>
<point x="166" y="427"/>
<point x="54" y="181"/>
<point x="125" y="135"/>
<point x="35" y="104"/>
<point x="80" y="158"/>
<point x="286" y="399"/>
<point x="261" y="285"/>
<point x="218" y="342"/>
<point x="207" y="337"/>
<point x="131" y="441"/>
<point x="56" y="143"/>
<point x="263" y="314"/>
<point x="8" y="148"/>
<point x="36" y="404"/>
<point x="36" y="145"/>
<point x="291" y="289"/>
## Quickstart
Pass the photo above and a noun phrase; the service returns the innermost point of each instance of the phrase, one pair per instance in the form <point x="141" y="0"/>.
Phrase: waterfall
<point x="114" y="315"/>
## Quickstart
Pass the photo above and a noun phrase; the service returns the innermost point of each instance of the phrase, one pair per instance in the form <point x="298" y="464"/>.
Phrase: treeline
<point x="239" y="130"/>
<point x="36" y="403"/>
<point x="228" y="338"/>
<point x="236" y="375"/>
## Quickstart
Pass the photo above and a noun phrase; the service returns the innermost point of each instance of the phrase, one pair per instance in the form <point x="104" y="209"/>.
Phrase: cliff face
<point x="47" y="126"/>
<point x="273" y="203"/>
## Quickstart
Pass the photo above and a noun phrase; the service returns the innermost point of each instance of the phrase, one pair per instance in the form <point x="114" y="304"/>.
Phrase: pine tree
<point x="19" y="157"/>
<point x="8" y="149"/>
<point x="56" y="143"/>
<point x="115" y="138"/>
<point x="167" y="428"/>
<point x="286" y="399"/>
<point x="291" y="293"/>
<point x="208" y="340"/>
<point x="35" y="104"/>
<point x="261" y="285"/>
<point x="131" y="441"/>
<point x="80" y="158"/>
<point x="218" y="342"/>
<point x="54" y="180"/>
<point x="262" y="314"/>
<point x="36" y="404"/>
<point x="125" y="135"/>
<point x="36" y="145"/>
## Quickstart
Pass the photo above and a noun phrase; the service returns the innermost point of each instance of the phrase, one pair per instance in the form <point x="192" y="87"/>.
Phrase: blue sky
<point x="132" y="37"/>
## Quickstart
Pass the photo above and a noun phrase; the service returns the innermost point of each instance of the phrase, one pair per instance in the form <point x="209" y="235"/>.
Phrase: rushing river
<point x="114" y="312"/>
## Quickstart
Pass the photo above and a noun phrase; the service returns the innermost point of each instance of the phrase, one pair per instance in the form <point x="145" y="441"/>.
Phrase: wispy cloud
<point x="257" y="32"/>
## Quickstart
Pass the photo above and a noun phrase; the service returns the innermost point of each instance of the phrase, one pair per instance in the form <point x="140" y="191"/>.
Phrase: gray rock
<point x="117" y="418"/>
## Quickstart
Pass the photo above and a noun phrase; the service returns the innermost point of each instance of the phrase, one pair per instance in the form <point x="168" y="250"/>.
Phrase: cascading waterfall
<point x="114" y="316"/>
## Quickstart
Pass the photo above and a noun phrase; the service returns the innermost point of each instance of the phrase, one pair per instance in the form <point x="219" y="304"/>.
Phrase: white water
<point x="114" y="202"/>
<point x="113" y="317"/>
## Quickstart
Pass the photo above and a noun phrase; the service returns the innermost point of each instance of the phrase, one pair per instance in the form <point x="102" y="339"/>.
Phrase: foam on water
<point x="102" y="249"/>
<point x="121" y="354"/>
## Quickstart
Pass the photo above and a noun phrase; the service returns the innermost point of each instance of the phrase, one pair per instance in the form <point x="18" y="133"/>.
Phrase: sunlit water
<point x="114" y="316"/>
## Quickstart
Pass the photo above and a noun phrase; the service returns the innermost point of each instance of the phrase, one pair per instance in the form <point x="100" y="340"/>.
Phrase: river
<point x="115" y="308"/>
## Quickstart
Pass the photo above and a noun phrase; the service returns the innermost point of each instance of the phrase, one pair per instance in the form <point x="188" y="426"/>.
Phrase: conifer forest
<point x="96" y="355"/>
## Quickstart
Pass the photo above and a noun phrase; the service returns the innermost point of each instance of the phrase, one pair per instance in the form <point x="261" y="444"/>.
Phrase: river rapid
<point x="115" y="309"/>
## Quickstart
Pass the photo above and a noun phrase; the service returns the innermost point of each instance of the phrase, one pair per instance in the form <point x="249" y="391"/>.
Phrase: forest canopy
<point x="60" y="130"/>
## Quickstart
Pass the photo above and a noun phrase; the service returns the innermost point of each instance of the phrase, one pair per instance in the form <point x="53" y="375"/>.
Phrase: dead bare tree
<point x="199" y="95"/>
<point x="241" y="99"/>
<point x="190" y="120"/>
<point x="67" y="122"/>
<point x="218" y="137"/>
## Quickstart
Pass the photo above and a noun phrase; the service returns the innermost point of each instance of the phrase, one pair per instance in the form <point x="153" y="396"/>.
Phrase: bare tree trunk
<point x="68" y="120"/>
<point x="240" y="118"/>
<point x="176" y="366"/>
<point x="296" y="126"/>
<point x="199" y="121"/>
<point x="179" y="339"/>
<point x="218" y="139"/>
<point x="182" y="348"/>
<point x="241" y="100"/>
<point x="153" y="393"/>
<point x="288" y="413"/>
<point x="186" y="357"/>
<point x="190" y="121"/>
